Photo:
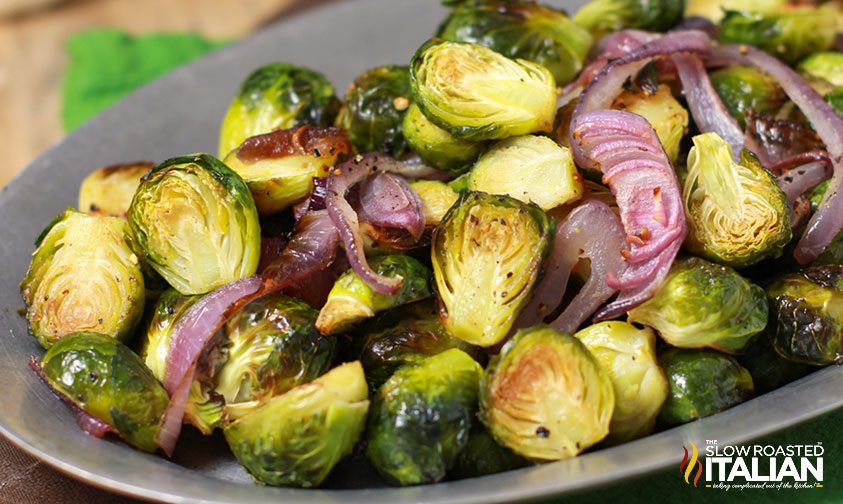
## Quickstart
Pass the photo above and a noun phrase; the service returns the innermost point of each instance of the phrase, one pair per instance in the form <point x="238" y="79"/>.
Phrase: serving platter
<point x="180" y="113"/>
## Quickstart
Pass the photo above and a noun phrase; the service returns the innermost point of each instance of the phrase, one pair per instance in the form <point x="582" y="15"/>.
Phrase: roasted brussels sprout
<point x="195" y="222"/>
<point x="436" y="146"/>
<point x="604" y="16"/>
<point x="702" y="383"/>
<point x="768" y="369"/>
<point x="277" y="96"/>
<point x="436" y="197"/>
<point x="352" y="299"/>
<point x="109" y="190"/>
<point x="736" y="213"/>
<point x="743" y="88"/>
<point x="807" y="315"/>
<point x="482" y="456"/>
<point x="109" y="382"/>
<point x="522" y="29"/>
<point x="827" y="66"/>
<point x="487" y="254"/>
<point x="545" y="396"/>
<point x="533" y="169"/>
<point x="628" y="355"/>
<point x="667" y="116"/>
<point x="295" y="439"/>
<point x="83" y="277"/>
<point x="373" y="110"/>
<point x="789" y="34"/>
<point x="835" y="99"/>
<point x="479" y="94"/>
<point x="702" y="304"/>
<point x="714" y="10"/>
<point x="421" y="418"/>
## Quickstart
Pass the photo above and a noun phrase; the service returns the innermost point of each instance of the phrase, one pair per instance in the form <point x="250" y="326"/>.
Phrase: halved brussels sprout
<point x="827" y="65"/>
<point x="109" y="382"/>
<point x="628" y="355"/>
<point x="533" y="169"/>
<point x="545" y="396"/>
<point x="272" y="345"/>
<point x="277" y="96"/>
<point x="421" y="418"/>
<point x="373" y="110"/>
<point x="155" y="347"/>
<point x="736" y="213"/>
<point x="605" y="16"/>
<point x="295" y="439"/>
<point x="436" y="197"/>
<point x="436" y="146"/>
<point x="487" y="254"/>
<point x="702" y="304"/>
<point x="768" y="369"/>
<point x="525" y="30"/>
<point x="83" y="277"/>
<point x="195" y="222"/>
<point x="714" y="10"/>
<point x="279" y="167"/>
<point x="806" y="319"/>
<point x="667" y="116"/>
<point x="352" y="299"/>
<point x="479" y="94"/>
<point x="702" y="383"/>
<point x="482" y="455"/>
<point x="109" y="190"/>
<point x="743" y="88"/>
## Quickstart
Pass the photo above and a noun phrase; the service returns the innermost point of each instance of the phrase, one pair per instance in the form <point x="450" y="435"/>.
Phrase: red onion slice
<point x="797" y="181"/>
<point x="386" y="200"/>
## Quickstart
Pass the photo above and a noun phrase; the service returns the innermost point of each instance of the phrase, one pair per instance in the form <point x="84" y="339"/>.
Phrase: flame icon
<point x="686" y="467"/>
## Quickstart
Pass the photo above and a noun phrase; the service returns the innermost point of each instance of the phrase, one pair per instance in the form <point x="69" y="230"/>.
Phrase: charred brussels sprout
<point x="702" y="383"/>
<point x="436" y="197"/>
<point x="295" y="439"/>
<point x="807" y="315"/>
<point x="628" y="355"/>
<point x="277" y="96"/>
<point x="702" y="304"/>
<point x="479" y="94"/>
<point x="736" y="213"/>
<point x="352" y="299"/>
<point x="482" y="456"/>
<point x="604" y="16"/>
<point x="421" y="418"/>
<point x="667" y="116"/>
<point x="109" y="190"/>
<point x="743" y="88"/>
<point x="487" y="254"/>
<point x="436" y="146"/>
<point x="373" y="110"/>
<point x="520" y="29"/>
<point x="827" y="66"/>
<point x="83" y="277"/>
<point x="768" y="369"/>
<point x="196" y="224"/>
<point x="533" y="169"/>
<point x="109" y="382"/>
<point x="545" y="396"/>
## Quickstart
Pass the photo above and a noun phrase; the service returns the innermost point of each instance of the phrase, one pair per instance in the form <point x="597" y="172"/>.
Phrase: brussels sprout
<point x="743" y="88"/>
<point x="827" y="66"/>
<point x="406" y="336"/>
<point x="520" y="29"/>
<point x="109" y="190"/>
<point x="768" y="369"/>
<point x="277" y="96"/>
<point x="195" y="222"/>
<point x="421" y="418"/>
<point x="479" y="94"/>
<point x="109" y="382"/>
<point x="714" y="10"/>
<point x="835" y="99"/>
<point x="628" y="355"/>
<point x="436" y="146"/>
<point x="352" y="299"/>
<point x="460" y="184"/>
<point x="295" y="439"/>
<point x="702" y="304"/>
<point x="807" y="315"/>
<point x="482" y="456"/>
<point x="83" y="277"/>
<point x="545" y="396"/>
<point x="533" y="169"/>
<point x="736" y="213"/>
<point x="702" y="383"/>
<point x="487" y="254"/>
<point x="373" y="110"/>
<point x="789" y="34"/>
<point x="272" y="346"/>
<point x="667" y="116"/>
<point x="436" y="197"/>
<point x="605" y="16"/>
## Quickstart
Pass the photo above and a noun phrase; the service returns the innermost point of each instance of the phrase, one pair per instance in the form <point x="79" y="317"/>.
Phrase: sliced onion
<point x="386" y="200"/>
<point x="797" y="181"/>
<point x="312" y="248"/>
